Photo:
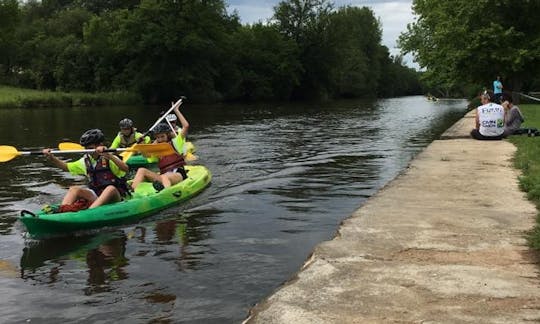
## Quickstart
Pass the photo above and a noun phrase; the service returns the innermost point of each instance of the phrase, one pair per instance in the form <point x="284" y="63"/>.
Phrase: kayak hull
<point x="136" y="161"/>
<point x="144" y="201"/>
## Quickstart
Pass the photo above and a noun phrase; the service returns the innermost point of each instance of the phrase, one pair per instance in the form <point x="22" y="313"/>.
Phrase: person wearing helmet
<point x="105" y="172"/>
<point x="171" y="167"/>
<point x="128" y="135"/>
<point x="171" y="120"/>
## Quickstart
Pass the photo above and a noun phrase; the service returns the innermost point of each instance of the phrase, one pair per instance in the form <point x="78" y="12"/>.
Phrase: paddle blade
<point x="190" y="157"/>
<point x="190" y="147"/>
<point x="8" y="153"/>
<point x="159" y="149"/>
<point x="68" y="146"/>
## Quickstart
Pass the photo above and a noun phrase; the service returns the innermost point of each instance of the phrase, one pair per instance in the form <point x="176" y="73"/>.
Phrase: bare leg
<point x="142" y="175"/>
<point x="170" y="178"/>
<point x="109" y="195"/>
<point x="76" y="192"/>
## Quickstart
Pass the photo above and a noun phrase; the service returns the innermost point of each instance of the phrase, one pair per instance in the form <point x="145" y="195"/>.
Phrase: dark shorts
<point x="497" y="97"/>
<point x="180" y="170"/>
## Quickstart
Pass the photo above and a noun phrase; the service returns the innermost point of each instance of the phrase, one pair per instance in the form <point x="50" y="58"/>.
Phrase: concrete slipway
<point x="442" y="243"/>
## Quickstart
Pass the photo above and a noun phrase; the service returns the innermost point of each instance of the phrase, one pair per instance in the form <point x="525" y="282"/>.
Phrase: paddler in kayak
<point x="171" y="167"/>
<point x="105" y="172"/>
<point x="128" y="135"/>
<point x="171" y="119"/>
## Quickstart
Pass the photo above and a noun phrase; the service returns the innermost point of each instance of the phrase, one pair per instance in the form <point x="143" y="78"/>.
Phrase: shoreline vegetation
<point x="527" y="160"/>
<point x="160" y="50"/>
<point x="12" y="97"/>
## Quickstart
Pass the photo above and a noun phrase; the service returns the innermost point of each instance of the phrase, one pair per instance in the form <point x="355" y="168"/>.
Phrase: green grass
<point x="11" y="97"/>
<point x="527" y="159"/>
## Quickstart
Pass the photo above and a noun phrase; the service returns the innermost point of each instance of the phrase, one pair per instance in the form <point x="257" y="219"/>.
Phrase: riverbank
<point x="11" y="97"/>
<point x="443" y="242"/>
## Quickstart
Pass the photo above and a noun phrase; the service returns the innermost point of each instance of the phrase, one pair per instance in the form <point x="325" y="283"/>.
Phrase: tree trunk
<point x="515" y="83"/>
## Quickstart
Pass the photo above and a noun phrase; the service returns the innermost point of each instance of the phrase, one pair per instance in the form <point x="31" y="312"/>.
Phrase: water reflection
<point x="104" y="255"/>
<point x="106" y="264"/>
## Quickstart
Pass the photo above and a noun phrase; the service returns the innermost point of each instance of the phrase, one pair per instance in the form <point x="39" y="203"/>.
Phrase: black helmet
<point x="161" y="128"/>
<point x="92" y="136"/>
<point x="126" y="123"/>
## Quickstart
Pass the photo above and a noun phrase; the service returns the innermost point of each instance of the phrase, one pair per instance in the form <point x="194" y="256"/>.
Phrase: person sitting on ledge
<point x="513" y="118"/>
<point x="489" y="119"/>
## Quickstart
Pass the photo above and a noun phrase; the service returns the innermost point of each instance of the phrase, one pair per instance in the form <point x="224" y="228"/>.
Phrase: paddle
<point x="176" y="104"/>
<point x="145" y="149"/>
<point x="159" y="149"/>
<point x="126" y="155"/>
<point x="8" y="153"/>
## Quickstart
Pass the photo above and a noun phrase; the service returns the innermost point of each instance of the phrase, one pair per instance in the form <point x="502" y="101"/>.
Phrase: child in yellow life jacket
<point x="128" y="135"/>
<point x="105" y="172"/>
<point x="171" y="167"/>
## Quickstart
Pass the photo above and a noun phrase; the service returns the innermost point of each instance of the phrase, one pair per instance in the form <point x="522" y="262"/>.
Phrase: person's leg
<point x="142" y="175"/>
<point x="109" y="195"/>
<point x="170" y="178"/>
<point x="76" y="192"/>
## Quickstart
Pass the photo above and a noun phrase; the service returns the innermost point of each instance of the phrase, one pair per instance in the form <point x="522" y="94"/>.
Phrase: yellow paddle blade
<point x="8" y="153"/>
<point x="190" y="148"/>
<point x="191" y="157"/>
<point x="159" y="149"/>
<point x="70" y="146"/>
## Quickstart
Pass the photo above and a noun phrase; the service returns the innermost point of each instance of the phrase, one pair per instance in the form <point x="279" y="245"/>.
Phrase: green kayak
<point x="143" y="202"/>
<point x="137" y="161"/>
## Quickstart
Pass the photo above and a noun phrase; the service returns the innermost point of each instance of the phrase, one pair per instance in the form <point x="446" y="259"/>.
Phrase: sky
<point x="394" y="16"/>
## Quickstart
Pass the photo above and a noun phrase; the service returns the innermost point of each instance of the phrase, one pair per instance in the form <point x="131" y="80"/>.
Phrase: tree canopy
<point x="463" y="41"/>
<point x="163" y="49"/>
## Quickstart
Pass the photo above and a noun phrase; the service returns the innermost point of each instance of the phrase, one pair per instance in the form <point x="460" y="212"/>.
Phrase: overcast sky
<point x="394" y="15"/>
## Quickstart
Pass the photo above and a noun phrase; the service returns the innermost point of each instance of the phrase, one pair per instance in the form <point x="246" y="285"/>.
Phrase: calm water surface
<point x="284" y="177"/>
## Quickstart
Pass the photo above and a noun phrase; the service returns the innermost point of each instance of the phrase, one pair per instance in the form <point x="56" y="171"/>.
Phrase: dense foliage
<point x="462" y="42"/>
<point x="161" y="49"/>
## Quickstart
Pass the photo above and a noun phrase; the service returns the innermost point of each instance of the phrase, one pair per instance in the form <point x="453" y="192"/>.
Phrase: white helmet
<point x="171" y="117"/>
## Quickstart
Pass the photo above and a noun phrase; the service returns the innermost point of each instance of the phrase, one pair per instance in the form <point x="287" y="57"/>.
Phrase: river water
<point x="284" y="177"/>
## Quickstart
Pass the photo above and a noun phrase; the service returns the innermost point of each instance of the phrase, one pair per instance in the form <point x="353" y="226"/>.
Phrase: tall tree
<point x="355" y="34"/>
<point x="462" y="40"/>
<point x="268" y="63"/>
<point x="9" y="17"/>
<point x="305" y="21"/>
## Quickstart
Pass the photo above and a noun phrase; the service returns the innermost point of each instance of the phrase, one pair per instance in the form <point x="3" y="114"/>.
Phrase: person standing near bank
<point x="489" y="120"/>
<point x="497" y="90"/>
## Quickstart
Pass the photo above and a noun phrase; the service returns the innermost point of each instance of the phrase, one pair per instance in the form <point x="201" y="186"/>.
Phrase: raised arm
<point x="183" y="121"/>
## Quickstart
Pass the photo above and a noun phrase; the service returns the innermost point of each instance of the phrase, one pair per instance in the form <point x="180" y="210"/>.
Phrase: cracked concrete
<point x="433" y="246"/>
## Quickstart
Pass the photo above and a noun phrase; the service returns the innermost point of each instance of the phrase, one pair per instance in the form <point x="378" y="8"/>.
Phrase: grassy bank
<point x="11" y="97"/>
<point x="527" y="159"/>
